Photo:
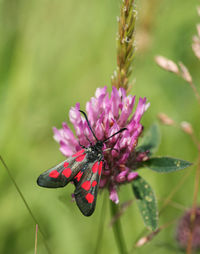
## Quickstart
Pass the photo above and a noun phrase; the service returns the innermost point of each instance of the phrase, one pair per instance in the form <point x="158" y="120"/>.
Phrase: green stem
<point x="101" y="226"/>
<point x="119" y="238"/>
<point x="36" y="238"/>
<point x="25" y="203"/>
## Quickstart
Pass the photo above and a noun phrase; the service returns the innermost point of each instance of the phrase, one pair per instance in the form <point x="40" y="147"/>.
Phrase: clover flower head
<point x="107" y="115"/>
<point x="185" y="229"/>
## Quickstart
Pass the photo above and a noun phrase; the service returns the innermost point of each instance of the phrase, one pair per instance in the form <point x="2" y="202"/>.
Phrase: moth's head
<point x="99" y="144"/>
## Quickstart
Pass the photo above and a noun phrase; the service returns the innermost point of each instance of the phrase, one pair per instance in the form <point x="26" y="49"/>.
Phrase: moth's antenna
<point x="123" y="129"/>
<point x="88" y="124"/>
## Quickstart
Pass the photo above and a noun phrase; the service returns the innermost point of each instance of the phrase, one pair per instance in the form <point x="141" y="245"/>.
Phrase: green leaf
<point x="166" y="164"/>
<point x="151" y="140"/>
<point x="146" y="202"/>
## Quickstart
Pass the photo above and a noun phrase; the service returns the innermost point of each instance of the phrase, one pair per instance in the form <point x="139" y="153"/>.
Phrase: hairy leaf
<point x="166" y="164"/>
<point x="146" y="202"/>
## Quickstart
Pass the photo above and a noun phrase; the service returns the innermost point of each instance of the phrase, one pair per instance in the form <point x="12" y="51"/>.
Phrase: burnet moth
<point x="83" y="169"/>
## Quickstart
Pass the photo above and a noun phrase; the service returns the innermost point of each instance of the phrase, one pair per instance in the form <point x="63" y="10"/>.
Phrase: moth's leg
<point x="82" y="146"/>
<point x="89" y="140"/>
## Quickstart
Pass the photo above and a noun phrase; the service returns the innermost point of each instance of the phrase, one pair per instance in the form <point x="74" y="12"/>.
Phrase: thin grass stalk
<point x="25" y="203"/>
<point x="36" y="238"/>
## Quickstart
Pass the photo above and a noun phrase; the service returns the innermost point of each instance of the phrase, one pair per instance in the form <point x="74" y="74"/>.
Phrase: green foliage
<point x="146" y="202"/>
<point x="54" y="54"/>
<point x="143" y="192"/>
<point x="166" y="164"/>
<point x="150" y="140"/>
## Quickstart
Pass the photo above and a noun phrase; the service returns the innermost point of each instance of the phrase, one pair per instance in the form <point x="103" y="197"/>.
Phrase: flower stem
<point x="101" y="226"/>
<point x="119" y="237"/>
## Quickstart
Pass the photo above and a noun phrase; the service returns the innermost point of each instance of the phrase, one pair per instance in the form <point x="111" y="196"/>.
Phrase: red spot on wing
<point x="81" y="157"/>
<point x="86" y="185"/>
<point x="78" y="153"/>
<point x="89" y="197"/>
<point x="100" y="167"/>
<point x="78" y="176"/>
<point x="94" y="183"/>
<point x="66" y="164"/>
<point x="95" y="167"/>
<point x="54" y="174"/>
<point x="67" y="172"/>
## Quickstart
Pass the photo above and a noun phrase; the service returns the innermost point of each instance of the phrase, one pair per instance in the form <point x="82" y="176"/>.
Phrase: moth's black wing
<point x="64" y="172"/>
<point x="87" y="188"/>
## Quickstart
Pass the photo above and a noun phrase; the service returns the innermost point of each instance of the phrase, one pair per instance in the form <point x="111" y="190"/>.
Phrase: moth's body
<point x="95" y="152"/>
<point x="83" y="169"/>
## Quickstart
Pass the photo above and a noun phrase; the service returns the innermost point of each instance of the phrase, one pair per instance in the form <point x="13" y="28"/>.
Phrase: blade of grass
<point x="36" y="232"/>
<point x="25" y="203"/>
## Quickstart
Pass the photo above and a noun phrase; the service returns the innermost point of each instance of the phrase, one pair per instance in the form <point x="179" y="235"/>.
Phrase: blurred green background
<point x="54" y="53"/>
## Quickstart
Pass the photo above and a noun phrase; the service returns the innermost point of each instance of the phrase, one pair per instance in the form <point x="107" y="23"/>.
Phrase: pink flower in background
<point x="107" y="116"/>
<point x="186" y="227"/>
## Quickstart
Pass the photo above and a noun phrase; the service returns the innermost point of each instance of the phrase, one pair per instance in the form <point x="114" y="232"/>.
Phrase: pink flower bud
<point x="132" y="176"/>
